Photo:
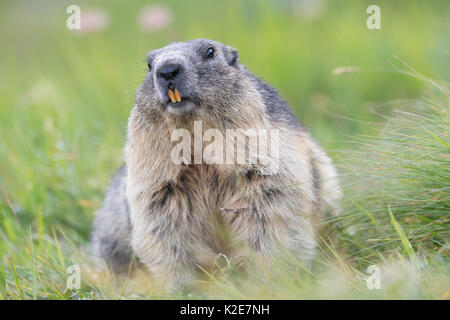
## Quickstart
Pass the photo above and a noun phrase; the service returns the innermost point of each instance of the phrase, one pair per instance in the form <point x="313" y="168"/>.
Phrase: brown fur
<point x="176" y="210"/>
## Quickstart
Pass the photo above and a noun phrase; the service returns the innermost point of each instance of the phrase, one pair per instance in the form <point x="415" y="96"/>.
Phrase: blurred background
<point x="66" y="94"/>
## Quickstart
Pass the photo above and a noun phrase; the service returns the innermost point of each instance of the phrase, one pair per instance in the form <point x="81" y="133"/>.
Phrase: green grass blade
<point x="406" y="244"/>
<point x="40" y="225"/>
<point x="16" y="282"/>
<point x="2" y="278"/>
<point x="33" y="267"/>
<point x="58" y="250"/>
<point x="368" y="214"/>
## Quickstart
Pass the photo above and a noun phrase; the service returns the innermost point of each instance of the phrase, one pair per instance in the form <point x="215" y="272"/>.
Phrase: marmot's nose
<point x="169" y="71"/>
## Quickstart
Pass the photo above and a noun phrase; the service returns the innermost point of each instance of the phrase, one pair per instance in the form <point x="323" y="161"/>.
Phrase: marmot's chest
<point x="204" y="187"/>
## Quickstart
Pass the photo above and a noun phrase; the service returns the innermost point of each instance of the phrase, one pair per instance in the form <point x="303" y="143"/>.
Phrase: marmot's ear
<point x="231" y="55"/>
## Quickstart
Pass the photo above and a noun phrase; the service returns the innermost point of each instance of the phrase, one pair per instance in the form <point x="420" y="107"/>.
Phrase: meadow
<point x="376" y="100"/>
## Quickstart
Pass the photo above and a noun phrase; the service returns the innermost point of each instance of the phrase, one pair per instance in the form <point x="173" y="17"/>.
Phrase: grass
<point x="404" y="171"/>
<point x="64" y="106"/>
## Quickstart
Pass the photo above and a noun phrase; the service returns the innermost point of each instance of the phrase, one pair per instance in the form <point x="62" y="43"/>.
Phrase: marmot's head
<point x="201" y="78"/>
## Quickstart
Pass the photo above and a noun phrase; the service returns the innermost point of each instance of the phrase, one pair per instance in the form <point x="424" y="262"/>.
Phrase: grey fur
<point x="167" y="214"/>
<point x="111" y="230"/>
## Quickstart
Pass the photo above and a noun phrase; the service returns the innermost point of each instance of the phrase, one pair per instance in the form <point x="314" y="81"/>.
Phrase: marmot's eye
<point x="149" y="66"/>
<point x="209" y="53"/>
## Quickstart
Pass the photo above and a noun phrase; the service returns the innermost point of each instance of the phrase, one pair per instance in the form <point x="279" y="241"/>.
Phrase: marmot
<point x="172" y="216"/>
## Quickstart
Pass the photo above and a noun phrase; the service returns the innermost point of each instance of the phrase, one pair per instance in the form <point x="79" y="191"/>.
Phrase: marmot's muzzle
<point x="168" y="74"/>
